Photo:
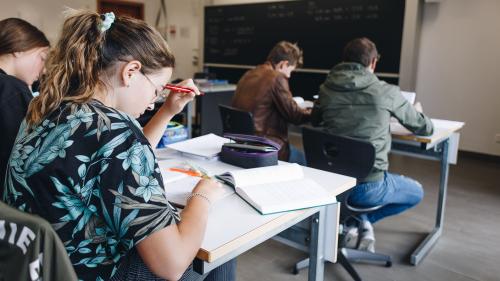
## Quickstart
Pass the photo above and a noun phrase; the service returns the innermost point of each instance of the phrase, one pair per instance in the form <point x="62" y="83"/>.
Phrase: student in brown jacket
<point x="264" y="92"/>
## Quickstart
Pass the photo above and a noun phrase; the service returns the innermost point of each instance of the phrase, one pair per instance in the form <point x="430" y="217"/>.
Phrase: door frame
<point x="139" y="5"/>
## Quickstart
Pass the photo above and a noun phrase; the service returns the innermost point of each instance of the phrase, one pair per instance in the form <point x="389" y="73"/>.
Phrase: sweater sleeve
<point x="409" y="117"/>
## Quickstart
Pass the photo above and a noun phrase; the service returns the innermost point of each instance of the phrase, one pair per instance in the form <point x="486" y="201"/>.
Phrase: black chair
<point x="236" y="121"/>
<point x="351" y="157"/>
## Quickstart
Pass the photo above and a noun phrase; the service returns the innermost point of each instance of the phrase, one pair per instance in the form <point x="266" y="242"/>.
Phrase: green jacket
<point x="354" y="102"/>
<point x="30" y="249"/>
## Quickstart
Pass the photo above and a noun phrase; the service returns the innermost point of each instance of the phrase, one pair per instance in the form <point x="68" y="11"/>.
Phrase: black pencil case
<point x="248" y="151"/>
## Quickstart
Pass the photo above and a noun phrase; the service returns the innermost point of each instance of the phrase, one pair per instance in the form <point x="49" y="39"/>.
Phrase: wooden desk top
<point x="227" y="231"/>
<point x="232" y="223"/>
<point x="442" y="129"/>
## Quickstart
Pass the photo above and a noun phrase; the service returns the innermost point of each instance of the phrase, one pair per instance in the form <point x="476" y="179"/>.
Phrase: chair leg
<point x="357" y="255"/>
<point x="341" y="258"/>
<point x="344" y="257"/>
<point x="300" y="265"/>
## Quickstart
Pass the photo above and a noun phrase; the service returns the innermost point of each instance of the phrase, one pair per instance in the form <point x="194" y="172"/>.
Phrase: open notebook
<point x="278" y="188"/>
<point x="205" y="147"/>
<point x="303" y="103"/>
<point x="409" y="96"/>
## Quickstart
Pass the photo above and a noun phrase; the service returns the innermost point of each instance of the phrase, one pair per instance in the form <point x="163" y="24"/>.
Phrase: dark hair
<point x="84" y="52"/>
<point x="286" y="51"/>
<point x="17" y="35"/>
<point x="360" y="50"/>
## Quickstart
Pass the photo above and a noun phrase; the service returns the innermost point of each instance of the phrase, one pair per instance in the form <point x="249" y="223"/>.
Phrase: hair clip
<point x="107" y="21"/>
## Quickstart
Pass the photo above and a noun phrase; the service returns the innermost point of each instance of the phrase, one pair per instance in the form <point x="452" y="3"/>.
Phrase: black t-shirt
<point x="15" y="97"/>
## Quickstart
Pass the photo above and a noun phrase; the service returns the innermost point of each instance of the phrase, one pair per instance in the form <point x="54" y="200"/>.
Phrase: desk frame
<point x="316" y="247"/>
<point x="438" y="152"/>
<point x="219" y="249"/>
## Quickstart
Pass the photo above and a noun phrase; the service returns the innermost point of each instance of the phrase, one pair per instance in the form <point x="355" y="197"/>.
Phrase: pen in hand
<point x="179" y="89"/>
<point x="205" y="175"/>
<point x="191" y="170"/>
<point x="187" y="172"/>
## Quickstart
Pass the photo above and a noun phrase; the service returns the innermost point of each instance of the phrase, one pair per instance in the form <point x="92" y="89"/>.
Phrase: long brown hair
<point x="84" y="52"/>
<point x="17" y="35"/>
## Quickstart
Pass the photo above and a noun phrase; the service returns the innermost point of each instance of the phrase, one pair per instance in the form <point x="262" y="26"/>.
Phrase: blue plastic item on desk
<point x="174" y="132"/>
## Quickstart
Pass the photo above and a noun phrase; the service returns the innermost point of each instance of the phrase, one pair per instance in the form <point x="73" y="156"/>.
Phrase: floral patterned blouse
<point x="89" y="170"/>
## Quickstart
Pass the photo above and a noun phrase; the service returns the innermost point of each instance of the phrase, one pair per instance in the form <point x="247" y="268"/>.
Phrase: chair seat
<point x="351" y="157"/>
<point x="361" y="210"/>
<point x="358" y="210"/>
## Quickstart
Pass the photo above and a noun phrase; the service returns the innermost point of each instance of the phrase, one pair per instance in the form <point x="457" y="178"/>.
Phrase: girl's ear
<point x="130" y="69"/>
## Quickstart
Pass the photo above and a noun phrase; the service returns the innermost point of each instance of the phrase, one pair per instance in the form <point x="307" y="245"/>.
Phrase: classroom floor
<point x="468" y="250"/>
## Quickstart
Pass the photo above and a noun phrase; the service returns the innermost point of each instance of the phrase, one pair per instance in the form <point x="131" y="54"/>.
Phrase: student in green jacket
<point x="353" y="102"/>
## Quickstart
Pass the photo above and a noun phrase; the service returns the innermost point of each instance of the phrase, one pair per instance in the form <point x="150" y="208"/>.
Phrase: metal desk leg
<point x="316" y="247"/>
<point x="432" y="237"/>
<point x="189" y="119"/>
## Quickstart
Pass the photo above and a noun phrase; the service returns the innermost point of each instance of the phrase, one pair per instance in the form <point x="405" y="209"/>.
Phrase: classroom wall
<point x="458" y="67"/>
<point x="458" y="74"/>
<point x="47" y="14"/>
<point x="183" y="16"/>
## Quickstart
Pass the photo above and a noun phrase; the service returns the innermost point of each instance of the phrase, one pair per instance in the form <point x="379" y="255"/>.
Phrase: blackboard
<point x="244" y="34"/>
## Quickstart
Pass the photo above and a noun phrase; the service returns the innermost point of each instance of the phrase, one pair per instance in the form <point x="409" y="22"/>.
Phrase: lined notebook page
<point x="297" y="190"/>
<point x="207" y="146"/>
<point x="268" y="174"/>
<point x="409" y="96"/>
<point x="284" y="196"/>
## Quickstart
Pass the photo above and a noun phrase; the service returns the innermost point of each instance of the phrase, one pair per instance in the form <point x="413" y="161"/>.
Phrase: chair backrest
<point x="236" y="121"/>
<point x="342" y="155"/>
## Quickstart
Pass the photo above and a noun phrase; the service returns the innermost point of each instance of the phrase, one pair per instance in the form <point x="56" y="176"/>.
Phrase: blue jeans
<point x="296" y="156"/>
<point x="224" y="272"/>
<point x="396" y="192"/>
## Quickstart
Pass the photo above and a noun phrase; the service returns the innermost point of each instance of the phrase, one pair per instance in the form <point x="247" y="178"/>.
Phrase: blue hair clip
<point x="107" y="21"/>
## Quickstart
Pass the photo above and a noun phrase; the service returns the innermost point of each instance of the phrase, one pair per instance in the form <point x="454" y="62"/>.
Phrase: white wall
<point x="458" y="76"/>
<point x="47" y="14"/>
<point x="184" y="16"/>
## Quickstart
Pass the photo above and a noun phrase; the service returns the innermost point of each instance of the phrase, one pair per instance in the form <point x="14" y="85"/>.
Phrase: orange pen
<point x="187" y="172"/>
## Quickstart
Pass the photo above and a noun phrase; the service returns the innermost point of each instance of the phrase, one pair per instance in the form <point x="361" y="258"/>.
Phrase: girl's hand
<point x="175" y="101"/>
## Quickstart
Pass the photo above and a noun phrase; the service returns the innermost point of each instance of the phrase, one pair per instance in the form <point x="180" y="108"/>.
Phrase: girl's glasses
<point x="169" y="87"/>
<point x="158" y="93"/>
